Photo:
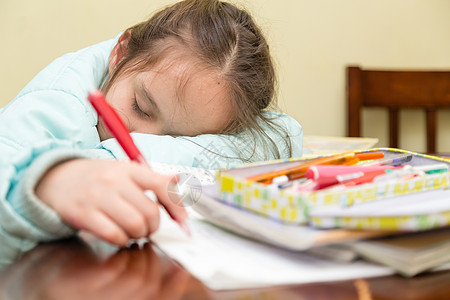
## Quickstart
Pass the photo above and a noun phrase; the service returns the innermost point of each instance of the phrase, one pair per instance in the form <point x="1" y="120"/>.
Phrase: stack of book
<point x="356" y="214"/>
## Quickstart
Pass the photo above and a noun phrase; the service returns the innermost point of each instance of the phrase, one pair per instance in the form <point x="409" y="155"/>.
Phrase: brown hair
<point x="223" y="38"/>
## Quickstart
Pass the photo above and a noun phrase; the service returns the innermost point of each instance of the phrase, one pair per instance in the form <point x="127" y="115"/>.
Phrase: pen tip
<point x="185" y="228"/>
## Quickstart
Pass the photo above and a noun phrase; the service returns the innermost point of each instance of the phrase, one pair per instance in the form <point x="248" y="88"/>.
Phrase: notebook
<point x="256" y="227"/>
<point x="413" y="212"/>
<point x="408" y="254"/>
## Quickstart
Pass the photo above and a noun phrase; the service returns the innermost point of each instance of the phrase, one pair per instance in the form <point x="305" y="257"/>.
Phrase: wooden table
<point x="81" y="269"/>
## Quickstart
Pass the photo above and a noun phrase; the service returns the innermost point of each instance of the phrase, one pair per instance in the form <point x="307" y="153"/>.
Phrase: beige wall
<point x="312" y="41"/>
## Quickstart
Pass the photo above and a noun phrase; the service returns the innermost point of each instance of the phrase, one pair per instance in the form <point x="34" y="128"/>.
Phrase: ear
<point x="119" y="51"/>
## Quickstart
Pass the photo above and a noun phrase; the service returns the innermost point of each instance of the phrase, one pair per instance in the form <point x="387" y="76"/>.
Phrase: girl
<point x="198" y="71"/>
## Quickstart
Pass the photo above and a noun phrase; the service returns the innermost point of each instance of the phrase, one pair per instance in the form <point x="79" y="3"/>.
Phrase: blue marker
<point x="395" y="160"/>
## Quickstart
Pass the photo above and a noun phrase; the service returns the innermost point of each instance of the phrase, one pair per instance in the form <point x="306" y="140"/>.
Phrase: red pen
<point x="120" y="131"/>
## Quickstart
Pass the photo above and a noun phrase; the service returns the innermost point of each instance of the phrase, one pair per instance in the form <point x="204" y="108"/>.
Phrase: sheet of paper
<point x="319" y="145"/>
<point x="201" y="176"/>
<point x="223" y="260"/>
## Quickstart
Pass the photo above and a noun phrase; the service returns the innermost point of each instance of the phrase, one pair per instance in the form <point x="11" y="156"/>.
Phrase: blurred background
<point x="312" y="42"/>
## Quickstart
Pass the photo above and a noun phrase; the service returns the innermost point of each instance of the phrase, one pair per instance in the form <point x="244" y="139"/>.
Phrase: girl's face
<point x="175" y="97"/>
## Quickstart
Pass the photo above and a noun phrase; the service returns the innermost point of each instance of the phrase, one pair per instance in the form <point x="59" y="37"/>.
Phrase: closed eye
<point x="138" y="110"/>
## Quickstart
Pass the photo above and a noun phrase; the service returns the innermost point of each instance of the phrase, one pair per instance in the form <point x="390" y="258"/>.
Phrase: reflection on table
<point x="89" y="269"/>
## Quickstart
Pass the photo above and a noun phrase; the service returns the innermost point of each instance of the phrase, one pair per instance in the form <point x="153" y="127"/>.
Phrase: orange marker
<point x="369" y="155"/>
<point x="299" y="171"/>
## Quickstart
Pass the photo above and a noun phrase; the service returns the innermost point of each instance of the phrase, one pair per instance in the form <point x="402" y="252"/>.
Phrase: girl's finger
<point x="100" y="225"/>
<point x="149" y="209"/>
<point x="125" y="215"/>
<point x="160" y="185"/>
<point x="171" y="201"/>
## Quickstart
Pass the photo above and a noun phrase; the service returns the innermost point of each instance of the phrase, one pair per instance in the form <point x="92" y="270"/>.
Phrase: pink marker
<point x="327" y="175"/>
<point x="318" y="171"/>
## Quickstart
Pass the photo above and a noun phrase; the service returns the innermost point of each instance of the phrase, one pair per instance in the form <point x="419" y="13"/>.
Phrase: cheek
<point x="125" y="114"/>
<point x="208" y="105"/>
<point x="146" y="126"/>
<point x="221" y="119"/>
<point x="212" y="118"/>
<point x="122" y="105"/>
<point x="218" y="113"/>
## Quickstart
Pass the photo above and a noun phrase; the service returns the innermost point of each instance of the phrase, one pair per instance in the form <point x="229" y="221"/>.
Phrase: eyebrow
<point x="149" y="98"/>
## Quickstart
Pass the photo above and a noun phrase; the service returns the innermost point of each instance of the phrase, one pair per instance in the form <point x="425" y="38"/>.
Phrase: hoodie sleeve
<point x="212" y="151"/>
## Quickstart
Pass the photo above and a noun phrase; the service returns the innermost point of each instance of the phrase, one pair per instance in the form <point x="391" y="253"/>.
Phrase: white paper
<point x="222" y="260"/>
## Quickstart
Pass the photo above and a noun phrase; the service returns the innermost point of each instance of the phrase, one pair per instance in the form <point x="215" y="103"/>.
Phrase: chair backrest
<point x="428" y="90"/>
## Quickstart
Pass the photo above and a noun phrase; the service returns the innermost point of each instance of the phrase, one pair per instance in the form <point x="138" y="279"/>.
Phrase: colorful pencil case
<point x="295" y="207"/>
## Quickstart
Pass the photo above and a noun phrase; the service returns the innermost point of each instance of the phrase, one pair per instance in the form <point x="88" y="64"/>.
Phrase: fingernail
<point x="175" y="179"/>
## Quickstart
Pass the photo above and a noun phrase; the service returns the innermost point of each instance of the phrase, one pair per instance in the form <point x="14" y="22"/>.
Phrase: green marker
<point x="433" y="168"/>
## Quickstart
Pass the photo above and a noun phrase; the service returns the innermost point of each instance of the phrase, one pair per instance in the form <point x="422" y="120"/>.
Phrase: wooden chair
<point x="394" y="90"/>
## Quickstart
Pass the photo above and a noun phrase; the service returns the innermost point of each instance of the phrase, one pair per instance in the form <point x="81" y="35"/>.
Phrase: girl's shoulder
<point x="286" y="122"/>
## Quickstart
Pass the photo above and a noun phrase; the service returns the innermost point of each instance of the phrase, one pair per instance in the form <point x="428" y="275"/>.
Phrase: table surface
<point x="80" y="268"/>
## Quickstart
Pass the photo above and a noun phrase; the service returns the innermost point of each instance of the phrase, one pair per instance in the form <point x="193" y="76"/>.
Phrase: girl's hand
<point x="106" y="198"/>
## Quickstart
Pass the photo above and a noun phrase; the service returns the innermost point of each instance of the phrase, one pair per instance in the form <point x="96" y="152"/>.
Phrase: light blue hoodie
<point x="50" y="121"/>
